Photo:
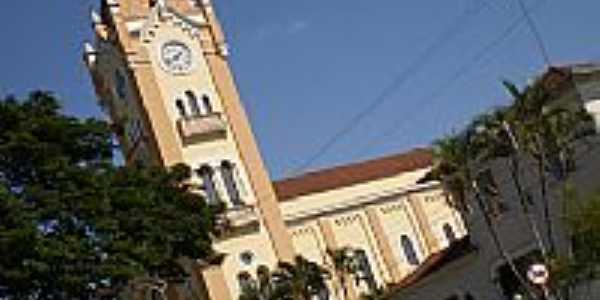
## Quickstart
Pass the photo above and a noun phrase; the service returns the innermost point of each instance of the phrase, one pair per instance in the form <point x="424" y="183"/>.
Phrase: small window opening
<point x="449" y="233"/>
<point x="180" y="108"/>
<point x="207" y="174"/>
<point x="207" y="105"/>
<point x="193" y="103"/>
<point x="245" y="282"/>
<point x="227" y="172"/>
<point x="409" y="250"/>
<point x="365" y="272"/>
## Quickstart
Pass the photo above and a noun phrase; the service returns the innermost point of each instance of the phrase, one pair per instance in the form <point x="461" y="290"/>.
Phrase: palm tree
<point x="578" y="271"/>
<point x="528" y="125"/>
<point x="306" y="278"/>
<point x="453" y="157"/>
<point x="260" y="289"/>
<point x="264" y="286"/>
<point x="344" y="266"/>
<point x="377" y="294"/>
<point x="496" y="138"/>
<point x="301" y="280"/>
<point x="547" y="128"/>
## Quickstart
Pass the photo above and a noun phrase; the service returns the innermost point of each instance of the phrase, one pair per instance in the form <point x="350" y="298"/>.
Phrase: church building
<point x="161" y="73"/>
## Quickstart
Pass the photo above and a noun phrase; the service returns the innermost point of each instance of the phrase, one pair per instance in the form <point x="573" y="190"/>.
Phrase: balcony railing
<point x="202" y="126"/>
<point x="234" y="221"/>
<point x="241" y="215"/>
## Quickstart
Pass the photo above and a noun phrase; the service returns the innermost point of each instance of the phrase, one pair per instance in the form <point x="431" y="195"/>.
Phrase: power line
<point x="463" y="70"/>
<point x="399" y="80"/>
<point x="536" y="33"/>
<point x="493" y="5"/>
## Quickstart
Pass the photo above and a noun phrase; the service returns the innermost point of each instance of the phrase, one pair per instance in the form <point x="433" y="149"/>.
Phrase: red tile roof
<point x="346" y="175"/>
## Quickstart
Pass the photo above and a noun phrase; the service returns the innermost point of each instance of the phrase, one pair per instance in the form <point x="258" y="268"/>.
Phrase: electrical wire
<point x="461" y="72"/>
<point x="539" y="41"/>
<point x="446" y="36"/>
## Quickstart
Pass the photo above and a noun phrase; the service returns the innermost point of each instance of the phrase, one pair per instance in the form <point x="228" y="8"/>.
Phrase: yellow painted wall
<point x="308" y="241"/>
<point x="439" y="213"/>
<point x="389" y="197"/>
<point x="200" y="82"/>
<point x="352" y="230"/>
<point x="344" y="196"/>
<point x="397" y="220"/>
<point x="258" y="244"/>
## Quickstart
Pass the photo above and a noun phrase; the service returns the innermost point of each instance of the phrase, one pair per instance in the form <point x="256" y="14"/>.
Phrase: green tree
<point x="344" y="266"/>
<point x="301" y="280"/>
<point x="377" y="294"/>
<point x="74" y="225"/>
<point x="496" y="140"/>
<point x="455" y="160"/>
<point x="547" y="127"/>
<point x="582" y="266"/>
<point x="542" y="126"/>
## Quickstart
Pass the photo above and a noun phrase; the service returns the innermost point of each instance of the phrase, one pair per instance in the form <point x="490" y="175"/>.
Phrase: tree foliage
<point x="540" y="129"/>
<point x="301" y="280"/>
<point x="583" y="220"/>
<point x="72" y="223"/>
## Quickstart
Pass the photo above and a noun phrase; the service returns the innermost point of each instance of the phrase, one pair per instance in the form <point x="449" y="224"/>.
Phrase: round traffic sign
<point x="538" y="274"/>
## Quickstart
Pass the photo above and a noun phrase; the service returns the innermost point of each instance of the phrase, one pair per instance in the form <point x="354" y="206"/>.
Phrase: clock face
<point x="176" y="57"/>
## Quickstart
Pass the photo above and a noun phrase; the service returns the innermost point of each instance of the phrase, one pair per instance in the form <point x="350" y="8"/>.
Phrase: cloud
<point x="264" y="32"/>
<point x="297" y="26"/>
<point x="281" y="30"/>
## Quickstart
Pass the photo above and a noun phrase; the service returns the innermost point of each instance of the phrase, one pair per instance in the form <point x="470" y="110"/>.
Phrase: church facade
<point x="161" y="73"/>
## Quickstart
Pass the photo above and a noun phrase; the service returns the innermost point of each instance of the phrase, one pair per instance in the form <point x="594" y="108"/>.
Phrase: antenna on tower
<point x="89" y="54"/>
<point x="96" y="19"/>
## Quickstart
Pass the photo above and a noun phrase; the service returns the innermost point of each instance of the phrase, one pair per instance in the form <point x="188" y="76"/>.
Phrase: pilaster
<point x="383" y="244"/>
<point x="163" y="130"/>
<point x="214" y="280"/>
<point x="423" y="224"/>
<point x="349" y="291"/>
<point x="267" y="202"/>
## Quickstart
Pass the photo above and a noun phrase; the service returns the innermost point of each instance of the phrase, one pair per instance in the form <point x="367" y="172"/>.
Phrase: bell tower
<point x="161" y="73"/>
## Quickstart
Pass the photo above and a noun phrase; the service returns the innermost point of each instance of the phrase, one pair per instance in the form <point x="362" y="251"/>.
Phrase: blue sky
<point x="307" y="68"/>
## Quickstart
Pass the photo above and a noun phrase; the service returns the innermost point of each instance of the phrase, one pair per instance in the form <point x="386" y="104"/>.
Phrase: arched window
<point x="227" y="172"/>
<point x="245" y="282"/>
<point x="193" y="103"/>
<point x="263" y="274"/>
<point x="365" y="273"/>
<point x="180" y="108"/>
<point x="449" y="233"/>
<point x="208" y="184"/>
<point x="207" y="105"/>
<point x="409" y="250"/>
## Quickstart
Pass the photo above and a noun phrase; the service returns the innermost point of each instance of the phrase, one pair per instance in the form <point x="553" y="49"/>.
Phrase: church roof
<point x="351" y="174"/>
